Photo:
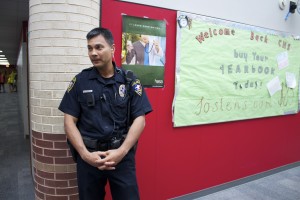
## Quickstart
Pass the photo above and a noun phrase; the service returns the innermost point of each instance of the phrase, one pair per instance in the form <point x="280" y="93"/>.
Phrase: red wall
<point x="176" y="161"/>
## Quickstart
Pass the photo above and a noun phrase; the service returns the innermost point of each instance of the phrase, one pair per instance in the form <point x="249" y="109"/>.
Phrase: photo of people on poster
<point x="143" y="49"/>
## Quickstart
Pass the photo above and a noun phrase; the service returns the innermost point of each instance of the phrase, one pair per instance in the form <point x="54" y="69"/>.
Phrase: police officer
<point x="104" y="115"/>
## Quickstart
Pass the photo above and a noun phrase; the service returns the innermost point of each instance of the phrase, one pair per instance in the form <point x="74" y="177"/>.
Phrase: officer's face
<point x="100" y="52"/>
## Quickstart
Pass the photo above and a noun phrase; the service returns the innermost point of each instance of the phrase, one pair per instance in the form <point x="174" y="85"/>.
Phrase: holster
<point x="73" y="151"/>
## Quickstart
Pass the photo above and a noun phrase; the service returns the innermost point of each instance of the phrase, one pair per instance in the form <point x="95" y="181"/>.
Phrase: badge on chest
<point x="122" y="90"/>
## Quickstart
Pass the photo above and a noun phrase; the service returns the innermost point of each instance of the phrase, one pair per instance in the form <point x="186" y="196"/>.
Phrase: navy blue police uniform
<point x="101" y="106"/>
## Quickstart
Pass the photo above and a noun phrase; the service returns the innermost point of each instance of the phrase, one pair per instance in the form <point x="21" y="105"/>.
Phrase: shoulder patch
<point x="88" y="69"/>
<point x="137" y="87"/>
<point x="71" y="84"/>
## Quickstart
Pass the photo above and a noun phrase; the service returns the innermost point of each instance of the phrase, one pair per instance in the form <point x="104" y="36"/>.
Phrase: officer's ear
<point x="113" y="51"/>
<point x="113" y="48"/>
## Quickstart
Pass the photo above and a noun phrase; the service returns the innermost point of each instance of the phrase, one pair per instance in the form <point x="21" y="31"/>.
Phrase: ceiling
<point x="12" y="14"/>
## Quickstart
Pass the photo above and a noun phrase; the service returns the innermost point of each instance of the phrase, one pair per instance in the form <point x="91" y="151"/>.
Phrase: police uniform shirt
<point x="100" y="104"/>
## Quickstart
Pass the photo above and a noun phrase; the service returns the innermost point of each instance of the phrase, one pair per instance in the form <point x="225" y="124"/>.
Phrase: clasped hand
<point x="104" y="160"/>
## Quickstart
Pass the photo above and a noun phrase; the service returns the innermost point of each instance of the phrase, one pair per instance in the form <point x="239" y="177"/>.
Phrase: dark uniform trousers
<point x="122" y="180"/>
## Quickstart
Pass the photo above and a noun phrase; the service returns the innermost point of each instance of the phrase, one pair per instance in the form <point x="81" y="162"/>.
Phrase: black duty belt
<point x="100" y="145"/>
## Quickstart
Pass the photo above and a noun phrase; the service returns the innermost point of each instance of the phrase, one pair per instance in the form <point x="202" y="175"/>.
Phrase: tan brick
<point x="67" y="26"/>
<point x="51" y="33"/>
<point x="34" y="2"/>
<point x="43" y="94"/>
<point x="61" y="169"/>
<point x="48" y="68"/>
<point x="39" y="42"/>
<point x="75" y="68"/>
<point x="40" y="25"/>
<point x="47" y="128"/>
<point x="52" y="103"/>
<point x="87" y="27"/>
<point x="88" y="11"/>
<point x="54" y="16"/>
<point x="54" y="1"/>
<point x="36" y="118"/>
<point x="80" y="18"/>
<point x="41" y="111"/>
<point x="75" y="34"/>
<point x="58" y="128"/>
<point x="37" y="76"/>
<point x="58" y="94"/>
<point x="53" y="85"/>
<point x="80" y="3"/>
<point x="65" y="8"/>
<point x="34" y="34"/>
<point x="76" y="52"/>
<point x="84" y="61"/>
<point x="52" y="120"/>
<point x="35" y="102"/>
<point x="48" y="167"/>
<point x="35" y="85"/>
<point x="61" y="42"/>
<point x="72" y="168"/>
<point x="53" y="51"/>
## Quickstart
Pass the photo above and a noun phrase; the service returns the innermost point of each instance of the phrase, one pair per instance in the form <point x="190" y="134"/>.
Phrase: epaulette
<point x="128" y="74"/>
<point x="88" y="69"/>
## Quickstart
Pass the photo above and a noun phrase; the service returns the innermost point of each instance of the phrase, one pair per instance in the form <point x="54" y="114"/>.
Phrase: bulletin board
<point x="228" y="71"/>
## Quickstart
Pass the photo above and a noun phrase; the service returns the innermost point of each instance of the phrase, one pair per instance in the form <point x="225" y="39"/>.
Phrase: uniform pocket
<point x="119" y="109"/>
<point x="89" y="99"/>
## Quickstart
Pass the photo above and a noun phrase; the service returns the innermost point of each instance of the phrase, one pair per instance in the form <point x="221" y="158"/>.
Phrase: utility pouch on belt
<point x="98" y="145"/>
<point x="73" y="151"/>
<point x="116" y="143"/>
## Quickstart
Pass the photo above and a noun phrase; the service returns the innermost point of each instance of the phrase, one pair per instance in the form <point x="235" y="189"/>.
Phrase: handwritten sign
<point x="228" y="71"/>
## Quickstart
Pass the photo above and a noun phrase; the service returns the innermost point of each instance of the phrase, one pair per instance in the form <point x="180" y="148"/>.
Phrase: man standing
<point x="104" y="115"/>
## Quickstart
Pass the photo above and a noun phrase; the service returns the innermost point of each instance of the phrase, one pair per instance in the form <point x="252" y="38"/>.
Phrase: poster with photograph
<point x="144" y="48"/>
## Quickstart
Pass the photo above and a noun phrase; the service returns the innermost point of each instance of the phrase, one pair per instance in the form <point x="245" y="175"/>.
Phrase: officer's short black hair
<point x="101" y="31"/>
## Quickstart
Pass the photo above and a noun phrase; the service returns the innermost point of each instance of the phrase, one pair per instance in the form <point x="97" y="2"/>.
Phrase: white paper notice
<point x="283" y="60"/>
<point x="274" y="86"/>
<point x="290" y="80"/>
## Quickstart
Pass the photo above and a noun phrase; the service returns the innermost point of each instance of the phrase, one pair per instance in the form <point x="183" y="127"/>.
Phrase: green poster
<point x="227" y="71"/>
<point x="143" y="49"/>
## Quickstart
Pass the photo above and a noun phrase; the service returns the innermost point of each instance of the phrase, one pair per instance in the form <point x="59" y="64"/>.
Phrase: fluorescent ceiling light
<point x="3" y="58"/>
<point x="2" y="55"/>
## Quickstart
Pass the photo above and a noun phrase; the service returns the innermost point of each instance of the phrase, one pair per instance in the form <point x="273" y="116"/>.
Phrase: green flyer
<point x="227" y="71"/>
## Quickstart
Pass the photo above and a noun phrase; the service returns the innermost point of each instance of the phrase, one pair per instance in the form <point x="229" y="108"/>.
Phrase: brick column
<point x="57" y="51"/>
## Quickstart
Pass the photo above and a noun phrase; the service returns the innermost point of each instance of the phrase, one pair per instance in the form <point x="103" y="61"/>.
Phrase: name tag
<point x="87" y="91"/>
